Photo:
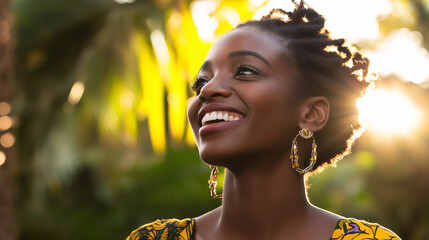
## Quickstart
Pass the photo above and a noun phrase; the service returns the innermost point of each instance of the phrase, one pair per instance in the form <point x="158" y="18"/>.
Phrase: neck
<point x="263" y="198"/>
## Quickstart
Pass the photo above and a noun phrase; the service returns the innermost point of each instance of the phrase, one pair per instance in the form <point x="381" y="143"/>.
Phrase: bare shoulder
<point x="322" y="222"/>
<point x="322" y="213"/>
<point x="204" y="224"/>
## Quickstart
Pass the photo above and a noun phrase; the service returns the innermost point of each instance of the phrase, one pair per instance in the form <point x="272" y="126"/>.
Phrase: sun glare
<point x="354" y="27"/>
<point x="206" y="24"/>
<point x="401" y="53"/>
<point x="388" y="113"/>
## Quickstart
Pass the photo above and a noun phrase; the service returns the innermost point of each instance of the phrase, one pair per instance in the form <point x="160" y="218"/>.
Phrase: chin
<point x="215" y="158"/>
<point x="230" y="158"/>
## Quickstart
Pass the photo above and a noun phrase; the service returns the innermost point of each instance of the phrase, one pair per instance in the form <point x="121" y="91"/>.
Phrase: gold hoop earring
<point x="306" y="134"/>
<point x="213" y="182"/>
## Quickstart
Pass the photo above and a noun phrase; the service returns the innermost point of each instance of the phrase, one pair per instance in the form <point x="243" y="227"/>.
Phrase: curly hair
<point x="327" y="67"/>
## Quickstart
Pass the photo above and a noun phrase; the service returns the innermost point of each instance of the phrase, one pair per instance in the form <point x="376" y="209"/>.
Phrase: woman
<point x="264" y="89"/>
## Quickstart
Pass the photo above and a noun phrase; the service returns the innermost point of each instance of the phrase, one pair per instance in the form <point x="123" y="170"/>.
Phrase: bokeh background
<point x="93" y="134"/>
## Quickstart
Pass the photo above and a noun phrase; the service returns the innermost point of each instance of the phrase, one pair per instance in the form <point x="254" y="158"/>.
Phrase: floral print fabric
<point x="352" y="229"/>
<point x="174" y="229"/>
<point x="170" y="229"/>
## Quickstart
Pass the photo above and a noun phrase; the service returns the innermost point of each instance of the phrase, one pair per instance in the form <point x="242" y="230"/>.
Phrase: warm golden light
<point x="76" y="92"/>
<point x="5" y="123"/>
<point x="388" y="113"/>
<point x="401" y="53"/>
<point x="206" y="24"/>
<point x="231" y="15"/>
<point x="354" y="27"/>
<point x="127" y="100"/>
<point x="4" y="108"/>
<point x="160" y="47"/>
<point x="124" y="1"/>
<point x="256" y="3"/>
<point x="2" y="158"/>
<point x="7" y="140"/>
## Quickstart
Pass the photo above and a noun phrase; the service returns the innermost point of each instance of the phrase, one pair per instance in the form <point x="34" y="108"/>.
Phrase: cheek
<point x="275" y="112"/>
<point x="274" y="98"/>
<point x="192" y="109"/>
<point x="192" y="113"/>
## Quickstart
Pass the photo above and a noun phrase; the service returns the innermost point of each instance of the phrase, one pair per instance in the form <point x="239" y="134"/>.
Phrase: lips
<point x="217" y="117"/>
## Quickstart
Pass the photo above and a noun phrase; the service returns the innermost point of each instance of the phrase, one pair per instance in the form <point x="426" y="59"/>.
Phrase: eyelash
<point x="246" y="67"/>
<point x="197" y="83"/>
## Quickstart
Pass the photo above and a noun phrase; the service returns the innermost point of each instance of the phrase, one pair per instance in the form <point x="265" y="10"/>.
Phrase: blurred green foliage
<point x="98" y="168"/>
<point x="108" y="202"/>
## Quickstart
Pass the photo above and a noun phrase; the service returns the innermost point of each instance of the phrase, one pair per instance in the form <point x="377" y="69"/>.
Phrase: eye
<point x="244" y="70"/>
<point x="198" y="84"/>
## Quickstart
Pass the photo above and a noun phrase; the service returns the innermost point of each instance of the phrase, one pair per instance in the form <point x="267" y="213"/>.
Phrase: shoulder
<point x="350" y="228"/>
<point x="164" y="229"/>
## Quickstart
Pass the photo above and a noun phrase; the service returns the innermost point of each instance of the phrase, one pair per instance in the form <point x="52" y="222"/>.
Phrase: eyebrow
<point x="249" y="53"/>
<point x="207" y="64"/>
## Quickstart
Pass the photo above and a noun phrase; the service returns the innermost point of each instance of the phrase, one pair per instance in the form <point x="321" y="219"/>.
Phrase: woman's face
<point x="245" y="104"/>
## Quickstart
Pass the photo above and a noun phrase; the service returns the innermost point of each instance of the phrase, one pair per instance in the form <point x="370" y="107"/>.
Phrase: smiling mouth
<point x="220" y="116"/>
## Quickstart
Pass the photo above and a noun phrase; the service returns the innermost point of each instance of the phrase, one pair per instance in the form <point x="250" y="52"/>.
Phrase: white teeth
<point x="205" y="118"/>
<point x="226" y="116"/>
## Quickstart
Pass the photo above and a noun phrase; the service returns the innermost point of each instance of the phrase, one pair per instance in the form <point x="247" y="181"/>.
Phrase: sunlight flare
<point x="354" y="27"/>
<point x="388" y="113"/>
<point x="402" y="54"/>
<point x="205" y="23"/>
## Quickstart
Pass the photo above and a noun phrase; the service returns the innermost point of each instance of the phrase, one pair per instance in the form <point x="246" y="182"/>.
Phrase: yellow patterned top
<point x="174" y="229"/>
<point x="352" y="229"/>
<point x="169" y="229"/>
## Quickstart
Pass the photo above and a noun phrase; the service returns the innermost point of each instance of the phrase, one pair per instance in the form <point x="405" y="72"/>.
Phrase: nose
<point x="216" y="87"/>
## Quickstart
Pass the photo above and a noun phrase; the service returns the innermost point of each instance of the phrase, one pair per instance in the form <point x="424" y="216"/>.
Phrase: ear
<point x="314" y="113"/>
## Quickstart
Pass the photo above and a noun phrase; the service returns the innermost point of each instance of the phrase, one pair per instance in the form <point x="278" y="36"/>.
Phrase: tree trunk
<point x="7" y="183"/>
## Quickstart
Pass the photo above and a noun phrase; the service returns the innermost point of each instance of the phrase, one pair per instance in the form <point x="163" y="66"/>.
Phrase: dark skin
<point x="249" y="74"/>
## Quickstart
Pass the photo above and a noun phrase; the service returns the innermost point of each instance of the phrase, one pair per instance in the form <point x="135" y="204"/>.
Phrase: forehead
<point x="248" y="39"/>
